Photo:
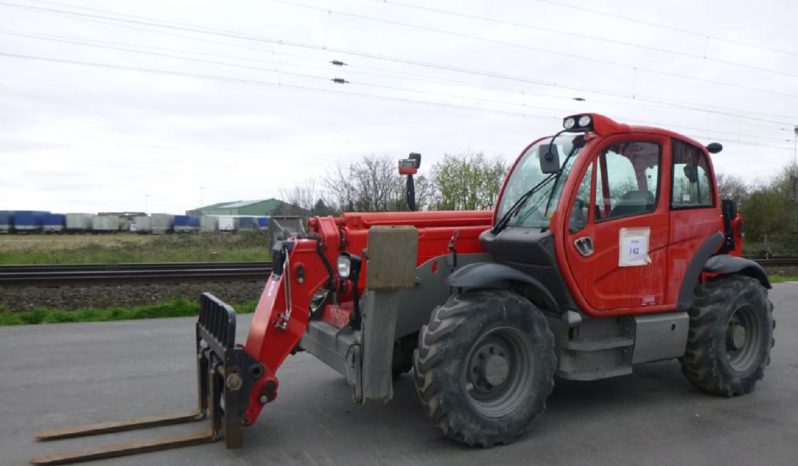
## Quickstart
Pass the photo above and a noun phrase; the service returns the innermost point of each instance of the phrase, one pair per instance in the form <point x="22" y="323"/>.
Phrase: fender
<point x="491" y="274"/>
<point x="694" y="269"/>
<point x="724" y="264"/>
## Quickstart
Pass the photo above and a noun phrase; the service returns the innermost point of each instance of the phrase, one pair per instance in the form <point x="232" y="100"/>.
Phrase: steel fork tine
<point x="120" y="426"/>
<point x="125" y="449"/>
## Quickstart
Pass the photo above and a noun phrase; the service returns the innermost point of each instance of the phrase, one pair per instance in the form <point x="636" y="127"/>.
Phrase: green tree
<point x="468" y="181"/>
<point x="769" y="209"/>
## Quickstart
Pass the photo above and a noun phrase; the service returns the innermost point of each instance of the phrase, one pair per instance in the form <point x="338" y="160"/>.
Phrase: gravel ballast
<point x="26" y="298"/>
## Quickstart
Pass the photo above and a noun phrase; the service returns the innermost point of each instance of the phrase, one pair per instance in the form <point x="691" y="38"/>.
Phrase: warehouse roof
<point x="236" y="204"/>
<point x="270" y="206"/>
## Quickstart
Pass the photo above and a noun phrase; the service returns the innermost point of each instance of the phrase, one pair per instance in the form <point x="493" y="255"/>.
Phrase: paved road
<point x="57" y="375"/>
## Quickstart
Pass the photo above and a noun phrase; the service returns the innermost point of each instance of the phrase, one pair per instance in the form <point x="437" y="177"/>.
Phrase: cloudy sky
<point x="168" y="104"/>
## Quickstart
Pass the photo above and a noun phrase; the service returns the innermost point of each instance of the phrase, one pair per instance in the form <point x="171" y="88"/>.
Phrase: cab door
<point x="617" y="237"/>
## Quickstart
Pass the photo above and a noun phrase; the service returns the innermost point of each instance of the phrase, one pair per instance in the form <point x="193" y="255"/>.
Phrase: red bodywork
<point x="599" y="286"/>
<point x="270" y="344"/>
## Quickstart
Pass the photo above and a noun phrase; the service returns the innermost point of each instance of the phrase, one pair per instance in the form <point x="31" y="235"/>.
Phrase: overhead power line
<point x="581" y="8"/>
<point x="337" y="80"/>
<point x="586" y="9"/>
<point x="159" y="54"/>
<point x="132" y="48"/>
<point x="594" y="38"/>
<point x="313" y="89"/>
<point x="151" y="23"/>
<point x="277" y="60"/>
<point x="415" y="26"/>
<point x="266" y="83"/>
<point x="535" y="48"/>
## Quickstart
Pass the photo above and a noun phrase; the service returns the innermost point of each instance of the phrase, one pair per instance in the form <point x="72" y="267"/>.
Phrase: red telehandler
<point x="608" y="247"/>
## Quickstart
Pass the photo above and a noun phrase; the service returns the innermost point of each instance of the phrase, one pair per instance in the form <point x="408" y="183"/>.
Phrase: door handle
<point x="584" y="245"/>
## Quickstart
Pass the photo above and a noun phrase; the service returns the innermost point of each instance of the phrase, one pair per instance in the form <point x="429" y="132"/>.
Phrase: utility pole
<point x="795" y="146"/>
<point x="795" y="175"/>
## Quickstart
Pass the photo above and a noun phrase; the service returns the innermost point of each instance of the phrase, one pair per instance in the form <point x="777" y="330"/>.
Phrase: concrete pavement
<point x="59" y="375"/>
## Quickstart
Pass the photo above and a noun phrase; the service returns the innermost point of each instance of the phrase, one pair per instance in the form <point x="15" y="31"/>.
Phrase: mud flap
<point x="391" y="267"/>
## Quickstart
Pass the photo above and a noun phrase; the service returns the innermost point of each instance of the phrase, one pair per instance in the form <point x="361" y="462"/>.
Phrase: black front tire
<point x="731" y="334"/>
<point x="484" y="367"/>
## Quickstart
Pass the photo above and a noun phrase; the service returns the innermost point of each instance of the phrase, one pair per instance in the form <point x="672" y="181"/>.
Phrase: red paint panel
<point x="433" y="237"/>
<point x="598" y="283"/>
<point x="689" y="229"/>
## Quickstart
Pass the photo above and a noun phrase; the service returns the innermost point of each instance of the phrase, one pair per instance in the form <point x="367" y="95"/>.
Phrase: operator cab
<point x="602" y="205"/>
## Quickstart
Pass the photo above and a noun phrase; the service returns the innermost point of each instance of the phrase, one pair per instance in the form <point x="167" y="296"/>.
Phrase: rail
<point x="101" y="274"/>
<point x="98" y="274"/>
<point x="782" y="261"/>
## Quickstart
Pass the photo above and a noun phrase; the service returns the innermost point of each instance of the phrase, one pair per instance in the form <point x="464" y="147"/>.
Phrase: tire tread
<point x="438" y="333"/>
<point x="701" y="363"/>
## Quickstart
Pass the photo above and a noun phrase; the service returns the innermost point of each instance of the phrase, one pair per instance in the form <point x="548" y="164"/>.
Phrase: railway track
<point x="102" y="274"/>
<point x="778" y="261"/>
<point x="98" y="274"/>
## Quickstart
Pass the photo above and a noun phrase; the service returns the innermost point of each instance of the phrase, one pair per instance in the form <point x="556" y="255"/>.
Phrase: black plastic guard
<point x="491" y="274"/>
<point x="724" y="264"/>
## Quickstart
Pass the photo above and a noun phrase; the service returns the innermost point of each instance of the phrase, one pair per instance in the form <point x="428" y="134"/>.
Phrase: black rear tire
<point x="731" y="334"/>
<point x="484" y="367"/>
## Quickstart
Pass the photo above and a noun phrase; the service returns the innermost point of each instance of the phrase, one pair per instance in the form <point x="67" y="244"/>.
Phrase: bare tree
<point x="302" y="195"/>
<point x="372" y="184"/>
<point x="732" y="187"/>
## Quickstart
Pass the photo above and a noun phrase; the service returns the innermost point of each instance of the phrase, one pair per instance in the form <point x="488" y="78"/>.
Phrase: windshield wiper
<point x="516" y="207"/>
<point x="577" y="143"/>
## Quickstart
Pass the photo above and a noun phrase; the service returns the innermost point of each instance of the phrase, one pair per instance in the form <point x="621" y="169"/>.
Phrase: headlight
<point x="584" y="120"/>
<point x="568" y="123"/>
<point x="344" y="266"/>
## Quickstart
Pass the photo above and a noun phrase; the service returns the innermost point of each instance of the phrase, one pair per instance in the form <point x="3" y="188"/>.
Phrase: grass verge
<point x="178" y="307"/>
<point x="131" y="248"/>
<point x="782" y="279"/>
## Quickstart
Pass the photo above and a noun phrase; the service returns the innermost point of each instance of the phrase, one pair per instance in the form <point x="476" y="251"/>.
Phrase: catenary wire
<point x="235" y="35"/>
<point x="129" y="48"/>
<point x="582" y="8"/>
<point x="309" y="88"/>
<point x="590" y="37"/>
<point x="534" y="48"/>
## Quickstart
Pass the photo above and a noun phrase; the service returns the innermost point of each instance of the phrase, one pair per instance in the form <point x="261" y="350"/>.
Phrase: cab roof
<point x="606" y="126"/>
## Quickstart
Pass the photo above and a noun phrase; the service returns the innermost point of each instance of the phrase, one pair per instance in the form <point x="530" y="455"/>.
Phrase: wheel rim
<point x="743" y="339"/>
<point x="498" y="372"/>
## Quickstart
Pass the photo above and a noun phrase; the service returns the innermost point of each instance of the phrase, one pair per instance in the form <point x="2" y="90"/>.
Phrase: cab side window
<point x="628" y="179"/>
<point x="691" y="187"/>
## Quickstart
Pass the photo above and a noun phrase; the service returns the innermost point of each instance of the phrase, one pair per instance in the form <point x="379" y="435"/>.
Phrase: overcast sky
<point x="166" y="104"/>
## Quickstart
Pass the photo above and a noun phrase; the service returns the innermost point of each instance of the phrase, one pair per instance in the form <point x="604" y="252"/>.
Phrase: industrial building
<point x="265" y="207"/>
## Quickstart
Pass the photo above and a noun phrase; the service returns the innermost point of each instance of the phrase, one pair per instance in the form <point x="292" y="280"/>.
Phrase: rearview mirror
<point x="549" y="158"/>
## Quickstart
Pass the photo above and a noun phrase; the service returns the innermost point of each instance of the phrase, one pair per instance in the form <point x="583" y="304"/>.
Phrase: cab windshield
<point x="537" y="210"/>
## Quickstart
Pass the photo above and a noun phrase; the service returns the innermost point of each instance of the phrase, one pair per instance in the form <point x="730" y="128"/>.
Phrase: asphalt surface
<point x="53" y="376"/>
